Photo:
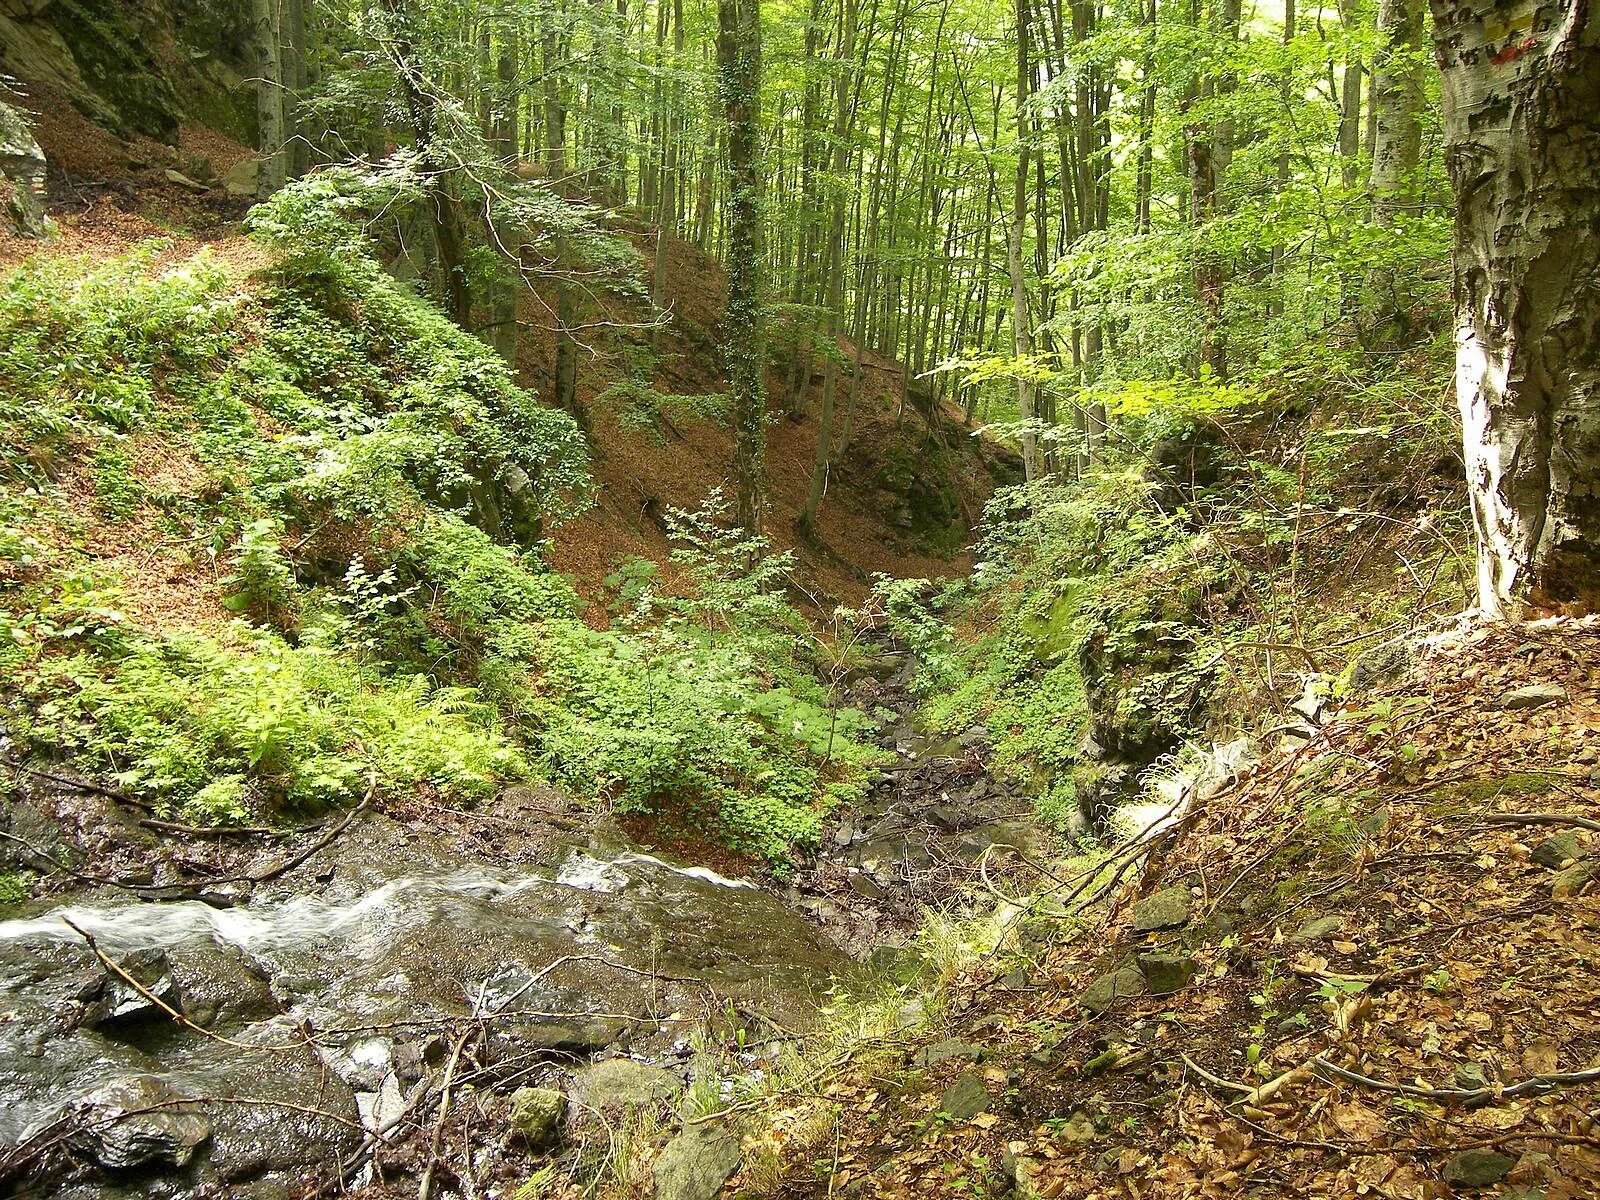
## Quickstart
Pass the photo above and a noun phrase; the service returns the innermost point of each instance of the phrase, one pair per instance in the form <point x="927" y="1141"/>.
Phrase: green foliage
<point x="15" y="887"/>
<point x="82" y="350"/>
<point x="263" y="582"/>
<point x="116" y="490"/>
<point x="375" y="489"/>
<point x="207" y="727"/>
<point x="704" y="707"/>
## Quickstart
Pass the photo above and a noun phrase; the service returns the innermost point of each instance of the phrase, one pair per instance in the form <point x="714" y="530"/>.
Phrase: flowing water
<point x="348" y="978"/>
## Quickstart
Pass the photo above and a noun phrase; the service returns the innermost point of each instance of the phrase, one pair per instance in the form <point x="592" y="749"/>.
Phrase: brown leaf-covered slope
<point x="1393" y="929"/>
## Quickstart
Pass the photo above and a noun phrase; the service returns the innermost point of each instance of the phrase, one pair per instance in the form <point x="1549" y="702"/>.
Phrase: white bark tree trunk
<point x="1397" y="80"/>
<point x="268" y="21"/>
<point x="1522" y="132"/>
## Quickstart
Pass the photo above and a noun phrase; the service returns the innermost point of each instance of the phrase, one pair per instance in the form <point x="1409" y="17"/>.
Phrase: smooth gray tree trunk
<point x="267" y="20"/>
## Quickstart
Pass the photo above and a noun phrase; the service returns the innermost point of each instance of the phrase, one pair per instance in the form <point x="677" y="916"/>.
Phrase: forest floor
<point x="1365" y="967"/>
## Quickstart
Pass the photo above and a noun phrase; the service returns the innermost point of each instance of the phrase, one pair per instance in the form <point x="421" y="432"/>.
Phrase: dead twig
<point x="1533" y="1085"/>
<point x="117" y="970"/>
<point x="1540" y="819"/>
<point x="1255" y="1097"/>
<point x="425" y="1187"/>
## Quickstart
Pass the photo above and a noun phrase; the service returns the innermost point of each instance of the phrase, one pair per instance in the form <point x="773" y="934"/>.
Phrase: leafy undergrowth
<point x="1232" y="541"/>
<point x="278" y="541"/>
<point x="1392" y="929"/>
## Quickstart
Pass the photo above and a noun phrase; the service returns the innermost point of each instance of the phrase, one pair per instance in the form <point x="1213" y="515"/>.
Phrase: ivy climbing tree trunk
<point x="739" y="90"/>
<point x="1522" y="136"/>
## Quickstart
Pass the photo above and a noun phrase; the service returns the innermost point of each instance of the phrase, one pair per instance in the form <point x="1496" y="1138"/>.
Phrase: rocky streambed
<point x="177" y="1048"/>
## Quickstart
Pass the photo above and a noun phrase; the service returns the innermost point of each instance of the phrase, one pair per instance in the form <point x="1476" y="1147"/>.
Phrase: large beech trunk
<point x="1522" y="135"/>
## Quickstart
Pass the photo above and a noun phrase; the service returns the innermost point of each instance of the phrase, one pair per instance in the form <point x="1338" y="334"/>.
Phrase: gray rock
<point x="132" y="1121"/>
<point x="241" y="179"/>
<point x="111" y="999"/>
<point x="1165" y="974"/>
<point x="945" y="1051"/>
<point x="965" y="1098"/>
<point x="1316" y="929"/>
<point x="537" y="1113"/>
<point x="1471" y="1076"/>
<point x="1552" y="852"/>
<point x="865" y="886"/>
<point x="1379" y="665"/>
<point x="1078" y="1127"/>
<point x="695" y="1164"/>
<point x="1166" y="909"/>
<point x="1102" y="995"/>
<point x="1571" y="881"/>
<point x="183" y="181"/>
<point x="1477" y="1168"/>
<point x="1535" y="695"/>
<point x="22" y="167"/>
<point x="578" y="1036"/>
<point x="249" y="1141"/>
<point x="621" y="1083"/>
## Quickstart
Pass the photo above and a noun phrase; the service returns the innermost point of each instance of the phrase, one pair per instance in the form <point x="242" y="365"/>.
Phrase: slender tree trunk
<point x="1016" y="230"/>
<point x="672" y="131"/>
<point x="843" y="119"/>
<point x="1147" y="120"/>
<point x="1522" y="138"/>
<point x="267" y="19"/>
<point x="1350" y="101"/>
<point x="1397" y="83"/>
<point x="295" y="79"/>
<point x="1286" y="98"/>
<point x="739" y="90"/>
<point x="564" y="371"/>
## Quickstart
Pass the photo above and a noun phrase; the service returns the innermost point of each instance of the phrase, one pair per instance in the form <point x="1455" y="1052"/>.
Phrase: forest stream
<point x="308" y="1011"/>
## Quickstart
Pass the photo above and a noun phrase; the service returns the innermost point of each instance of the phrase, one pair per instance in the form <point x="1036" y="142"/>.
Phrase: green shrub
<point x="297" y="727"/>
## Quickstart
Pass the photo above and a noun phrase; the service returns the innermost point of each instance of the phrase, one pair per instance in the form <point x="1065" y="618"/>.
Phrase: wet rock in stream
<point x="372" y="949"/>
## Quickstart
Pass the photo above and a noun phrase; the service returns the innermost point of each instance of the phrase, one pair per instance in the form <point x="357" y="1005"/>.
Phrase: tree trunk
<point x="1522" y="145"/>
<point x="1350" y="102"/>
<point x="564" y="370"/>
<point x="268" y="23"/>
<point x="739" y="90"/>
<point x="1021" y="326"/>
<point x="1397" y="80"/>
<point x="843" y="119"/>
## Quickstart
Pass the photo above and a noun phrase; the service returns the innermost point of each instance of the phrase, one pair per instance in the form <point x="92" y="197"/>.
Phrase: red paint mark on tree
<point x="1512" y="53"/>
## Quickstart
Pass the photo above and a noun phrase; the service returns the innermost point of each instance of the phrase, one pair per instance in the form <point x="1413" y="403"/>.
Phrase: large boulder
<point x="22" y="167"/>
<point x="618" y="1084"/>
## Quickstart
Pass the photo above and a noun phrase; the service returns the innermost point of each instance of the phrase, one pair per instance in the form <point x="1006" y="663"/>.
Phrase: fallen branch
<point x="1383" y="979"/>
<point x="1540" y="819"/>
<point x="116" y="969"/>
<point x="425" y="1188"/>
<point x="222" y="830"/>
<point x="1533" y="1085"/>
<point x="295" y="860"/>
<point x="1255" y="1097"/>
